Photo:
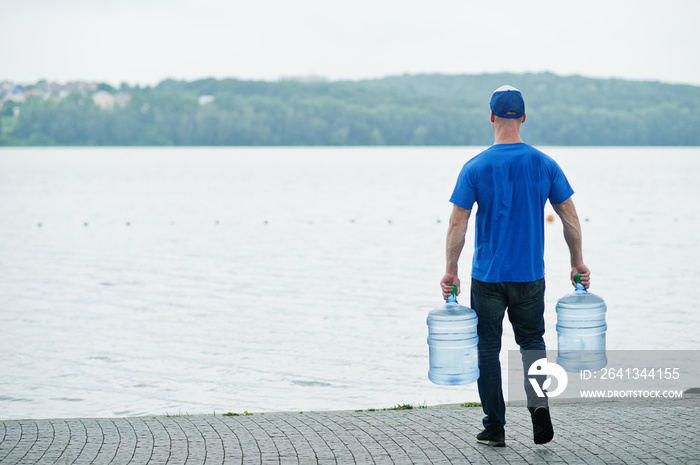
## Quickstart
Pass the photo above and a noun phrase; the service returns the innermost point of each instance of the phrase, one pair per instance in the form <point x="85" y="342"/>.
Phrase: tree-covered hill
<point x="397" y="110"/>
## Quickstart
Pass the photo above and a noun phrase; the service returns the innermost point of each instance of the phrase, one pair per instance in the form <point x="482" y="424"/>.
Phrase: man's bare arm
<point x="574" y="239"/>
<point x="456" y="233"/>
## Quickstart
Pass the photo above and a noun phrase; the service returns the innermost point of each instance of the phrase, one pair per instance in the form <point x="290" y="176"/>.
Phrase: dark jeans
<point x="525" y="305"/>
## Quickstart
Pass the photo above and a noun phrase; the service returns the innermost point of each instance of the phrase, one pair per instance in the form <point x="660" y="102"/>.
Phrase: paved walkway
<point x="612" y="432"/>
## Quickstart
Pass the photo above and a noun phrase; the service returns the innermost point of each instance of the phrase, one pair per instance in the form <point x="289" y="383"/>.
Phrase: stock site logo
<point x="544" y="368"/>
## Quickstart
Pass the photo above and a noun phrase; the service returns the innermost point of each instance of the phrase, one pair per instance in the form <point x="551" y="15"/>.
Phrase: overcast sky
<point x="146" y="41"/>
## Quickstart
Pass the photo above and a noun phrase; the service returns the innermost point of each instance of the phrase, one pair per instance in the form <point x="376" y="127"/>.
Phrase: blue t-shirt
<point x="510" y="184"/>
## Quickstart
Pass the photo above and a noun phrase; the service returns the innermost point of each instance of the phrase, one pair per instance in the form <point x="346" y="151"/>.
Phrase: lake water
<point x="139" y="281"/>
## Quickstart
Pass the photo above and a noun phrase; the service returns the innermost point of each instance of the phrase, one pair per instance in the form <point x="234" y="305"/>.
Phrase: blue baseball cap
<point x="507" y="99"/>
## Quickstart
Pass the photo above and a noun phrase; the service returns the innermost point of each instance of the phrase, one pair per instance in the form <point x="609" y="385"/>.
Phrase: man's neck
<point x="506" y="132"/>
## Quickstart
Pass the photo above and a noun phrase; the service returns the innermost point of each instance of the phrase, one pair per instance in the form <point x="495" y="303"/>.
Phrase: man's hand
<point x="584" y="272"/>
<point x="446" y="284"/>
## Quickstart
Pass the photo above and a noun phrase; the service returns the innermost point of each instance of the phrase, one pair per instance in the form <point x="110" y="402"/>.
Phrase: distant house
<point x="206" y="99"/>
<point x="17" y="94"/>
<point x="106" y="101"/>
<point x="103" y="99"/>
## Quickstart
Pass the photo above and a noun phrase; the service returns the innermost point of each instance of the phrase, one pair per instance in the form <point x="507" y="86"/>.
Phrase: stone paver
<point x="603" y="432"/>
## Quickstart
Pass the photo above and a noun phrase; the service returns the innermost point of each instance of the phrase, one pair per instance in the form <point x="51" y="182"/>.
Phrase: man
<point x="510" y="182"/>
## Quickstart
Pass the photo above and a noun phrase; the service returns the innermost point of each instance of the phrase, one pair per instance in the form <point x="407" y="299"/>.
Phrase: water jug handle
<point x="579" y="286"/>
<point x="453" y="297"/>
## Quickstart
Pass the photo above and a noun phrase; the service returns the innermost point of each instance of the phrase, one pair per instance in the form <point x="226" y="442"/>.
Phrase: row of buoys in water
<point x="550" y="219"/>
<point x="172" y="223"/>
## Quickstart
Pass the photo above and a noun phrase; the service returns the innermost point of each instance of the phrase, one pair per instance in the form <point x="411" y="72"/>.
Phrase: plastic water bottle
<point x="581" y="330"/>
<point x="452" y="342"/>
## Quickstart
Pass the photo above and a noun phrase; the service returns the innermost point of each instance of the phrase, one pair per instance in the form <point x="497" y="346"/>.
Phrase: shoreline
<point x="693" y="395"/>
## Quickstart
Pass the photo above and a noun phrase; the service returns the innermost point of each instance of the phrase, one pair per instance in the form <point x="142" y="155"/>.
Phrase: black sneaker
<point x="542" y="430"/>
<point x="493" y="436"/>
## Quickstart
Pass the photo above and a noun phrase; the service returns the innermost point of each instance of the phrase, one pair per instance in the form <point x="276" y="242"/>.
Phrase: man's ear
<point x="493" y="117"/>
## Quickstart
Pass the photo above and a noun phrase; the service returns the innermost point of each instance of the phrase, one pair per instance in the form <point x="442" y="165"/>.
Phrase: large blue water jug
<point x="581" y="330"/>
<point x="452" y="343"/>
